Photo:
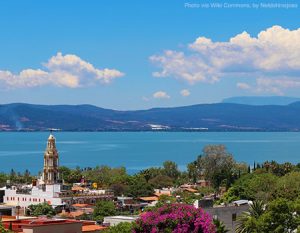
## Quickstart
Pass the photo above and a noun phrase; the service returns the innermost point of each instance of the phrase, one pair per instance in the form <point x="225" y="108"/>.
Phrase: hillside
<point x="211" y="117"/>
<point x="261" y="100"/>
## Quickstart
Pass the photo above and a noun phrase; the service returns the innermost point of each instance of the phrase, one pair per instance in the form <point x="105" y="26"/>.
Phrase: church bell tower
<point x="51" y="162"/>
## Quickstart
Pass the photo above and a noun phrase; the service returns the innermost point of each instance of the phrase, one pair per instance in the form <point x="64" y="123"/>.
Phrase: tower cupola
<point x="51" y="162"/>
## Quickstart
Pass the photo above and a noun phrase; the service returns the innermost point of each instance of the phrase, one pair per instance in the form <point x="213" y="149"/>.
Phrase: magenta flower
<point x="175" y="218"/>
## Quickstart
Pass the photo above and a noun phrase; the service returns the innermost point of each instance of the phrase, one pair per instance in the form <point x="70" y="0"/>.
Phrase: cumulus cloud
<point x="60" y="70"/>
<point x="274" y="53"/>
<point x="161" y="95"/>
<point x="243" y="86"/>
<point x="185" y="92"/>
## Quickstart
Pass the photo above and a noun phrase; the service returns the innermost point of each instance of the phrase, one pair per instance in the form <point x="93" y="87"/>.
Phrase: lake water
<point x="139" y="150"/>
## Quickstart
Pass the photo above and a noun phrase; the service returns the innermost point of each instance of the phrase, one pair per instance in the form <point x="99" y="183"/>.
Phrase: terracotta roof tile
<point x="91" y="228"/>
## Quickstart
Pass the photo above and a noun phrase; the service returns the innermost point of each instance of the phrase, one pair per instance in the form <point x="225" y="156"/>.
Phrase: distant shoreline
<point x="153" y="131"/>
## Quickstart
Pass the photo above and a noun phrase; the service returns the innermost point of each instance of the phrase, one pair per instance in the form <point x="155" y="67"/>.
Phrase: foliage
<point x="166" y="176"/>
<point x="220" y="226"/>
<point x="161" y="181"/>
<point x="171" y="169"/>
<point x="175" y="218"/>
<point x="150" y="173"/>
<point x="205" y="190"/>
<point x="102" y="209"/>
<point x="104" y="176"/>
<point x="248" y="222"/>
<point x="16" y="177"/>
<point x="188" y="197"/>
<point x="65" y="174"/>
<point x="165" y="199"/>
<point x="217" y="166"/>
<point x="3" y="230"/>
<point x="3" y="179"/>
<point x="138" y="187"/>
<point x="252" y="187"/>
<point x="278" y="169"/>
<point x="123" y="227"/>
<point x="41" y="209"/>
<point x="279" y="216"/>
<point x="85" y="216"/>
<point x="264" y="186"/>
<point x="119" y="188"/>
<point x="70" y="175"/>
<point x="288" y="186"/>
<point x="194" y="170"/>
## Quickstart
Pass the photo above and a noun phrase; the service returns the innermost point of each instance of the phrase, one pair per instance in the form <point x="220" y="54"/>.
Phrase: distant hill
<point x="261" y="100"/>
<point x="202" y="117"/>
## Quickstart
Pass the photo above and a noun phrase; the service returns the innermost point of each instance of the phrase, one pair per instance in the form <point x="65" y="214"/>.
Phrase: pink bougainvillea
<point x="175" y="218"/>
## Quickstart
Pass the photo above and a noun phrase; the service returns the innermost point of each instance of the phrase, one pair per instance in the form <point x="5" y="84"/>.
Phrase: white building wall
<point x="37" y="196"/>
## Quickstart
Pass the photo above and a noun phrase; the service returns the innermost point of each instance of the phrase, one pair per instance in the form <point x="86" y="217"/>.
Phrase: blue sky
<point x="55" y="42"/>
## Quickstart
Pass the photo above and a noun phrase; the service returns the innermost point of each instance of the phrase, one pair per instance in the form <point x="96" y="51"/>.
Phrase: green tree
<point x="65" y="173"/>
<point x="150" y="173"/>
<point x="119" y="189"/>
<point x="193" y="172"/>
<point x="41" y="209"/>
<point x="161" y="181"/>
<point x="282" y="216"/>
<point x="138" y="187"/>
<point x="288" y="186"/>
<point x="123" y="227"/>
<point x="252" y="187"/>
<point x="218" y="165"/>
<point x="248" y="222"/>
<point x="195" y="169"/>
<point x="27" y="177"/>
<point x="3" y="179"/>
<point x="106" y="176"/>
<point x="102" y="209"/>
<point x="170" y="169"/>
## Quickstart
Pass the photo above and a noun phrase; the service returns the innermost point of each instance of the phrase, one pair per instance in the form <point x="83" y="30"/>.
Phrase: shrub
<point x="175" y="218"/>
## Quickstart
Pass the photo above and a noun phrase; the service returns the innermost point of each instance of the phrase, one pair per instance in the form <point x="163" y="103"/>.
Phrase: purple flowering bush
<point x="175" y="218"/>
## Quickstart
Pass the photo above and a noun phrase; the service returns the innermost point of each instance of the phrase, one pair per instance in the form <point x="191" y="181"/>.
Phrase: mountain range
<point x="261" y="100"/>
<point x="201" y="117"/>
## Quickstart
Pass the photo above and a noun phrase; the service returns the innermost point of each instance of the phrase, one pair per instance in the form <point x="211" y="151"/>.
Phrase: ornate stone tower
<point x="51" y="165"/>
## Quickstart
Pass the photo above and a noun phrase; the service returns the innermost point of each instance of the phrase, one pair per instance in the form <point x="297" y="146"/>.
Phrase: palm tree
<point x="247" y="222"/>
<point x="220" y="226"/>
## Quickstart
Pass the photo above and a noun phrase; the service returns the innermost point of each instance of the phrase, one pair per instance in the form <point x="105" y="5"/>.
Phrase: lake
<point x="139" y="150"/>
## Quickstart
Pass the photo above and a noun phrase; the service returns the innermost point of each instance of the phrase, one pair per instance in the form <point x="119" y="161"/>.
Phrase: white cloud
<point x="161" y="95"/>
<point x="276" y="86"/>
<point x="243" y="86"/>
<point x="273" y="53"/>
<point x="185" y="92"/>
<point x="271" y="85"/>
<point x="61" y="70"/>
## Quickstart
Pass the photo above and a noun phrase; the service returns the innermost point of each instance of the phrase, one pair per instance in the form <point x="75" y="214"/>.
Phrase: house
<point x="45" y="225"/>
<point x="151" y="201"/>
<point x="41" y="225"/>
<point x="115" y="220"/>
